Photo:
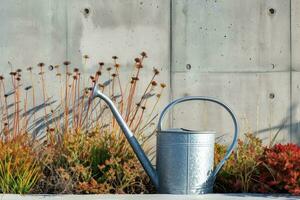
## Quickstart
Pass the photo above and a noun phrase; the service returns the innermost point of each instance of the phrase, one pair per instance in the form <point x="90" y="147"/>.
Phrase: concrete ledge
<point x="149" y="197"/>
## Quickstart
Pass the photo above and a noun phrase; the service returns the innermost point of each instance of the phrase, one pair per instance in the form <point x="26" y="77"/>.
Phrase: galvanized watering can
<point x="184" y="158"/>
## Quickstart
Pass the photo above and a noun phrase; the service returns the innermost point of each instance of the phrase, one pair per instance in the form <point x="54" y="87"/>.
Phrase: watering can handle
<point x="203" y="98"/>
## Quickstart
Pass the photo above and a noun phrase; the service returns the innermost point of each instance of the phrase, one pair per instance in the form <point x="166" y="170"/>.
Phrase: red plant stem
<point x="44" y="94"/>
<point x="5" y="102"/>
<point x="25" y="110"/>
<point x="141" y="100"/>
<point x="66" y="101"/>
<point x="131" y="95"/>
<point x="33" y="94"/>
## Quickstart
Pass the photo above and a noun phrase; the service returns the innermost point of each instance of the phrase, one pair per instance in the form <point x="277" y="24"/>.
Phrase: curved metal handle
<point x="203" y="98"/>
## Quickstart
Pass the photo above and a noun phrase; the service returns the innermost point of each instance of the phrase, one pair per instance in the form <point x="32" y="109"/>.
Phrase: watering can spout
<point x="130" y="137"/>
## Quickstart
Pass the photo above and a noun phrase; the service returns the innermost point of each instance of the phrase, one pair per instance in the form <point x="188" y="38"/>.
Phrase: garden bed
<point x="149" y="197"/>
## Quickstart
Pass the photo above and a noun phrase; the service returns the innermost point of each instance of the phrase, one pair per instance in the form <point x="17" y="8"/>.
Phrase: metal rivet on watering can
<point x="188" y="66"/>
<point x="271" y="95"/>
<point x="272" y="11"/>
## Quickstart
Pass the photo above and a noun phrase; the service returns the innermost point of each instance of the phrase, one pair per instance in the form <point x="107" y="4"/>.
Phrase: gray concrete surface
<point x="146" y="197"/>
<point x="243" y="52"/>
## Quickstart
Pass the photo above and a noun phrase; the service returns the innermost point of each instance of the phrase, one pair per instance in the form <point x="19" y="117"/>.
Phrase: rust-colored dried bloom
<point x="114" y="75"/>
<point x="76" y="70"/>
<point x="144" y="54"/>
<point x="75" y="77"/>
<point x="51" y="129"/>
<point x="67" y="63"/>
<point x="28" y="87"/>
<point x="117" y="65"/>
<point x="41" y="64"/>
<point x="101" y="63"/>
<point x="13" y="73"/>
<point x="137" y="60"/>
<point x="156" y="72"/>
<point x="108" y="69"/>
<point x="86" y="57"/>
<point x="29" y="68"/>
<point x="115" y="57"/>
<point x="135" y="78"/>
<point x="98" y="73"/>
<point x="163" y="85"/>
<point x="154" y="83"/>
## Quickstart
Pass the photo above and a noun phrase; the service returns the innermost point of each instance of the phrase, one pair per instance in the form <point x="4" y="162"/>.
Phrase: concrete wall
<point x="244" y="52"/>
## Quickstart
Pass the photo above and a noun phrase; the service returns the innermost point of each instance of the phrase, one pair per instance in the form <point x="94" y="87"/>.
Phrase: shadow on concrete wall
<point x="290" y="128"/>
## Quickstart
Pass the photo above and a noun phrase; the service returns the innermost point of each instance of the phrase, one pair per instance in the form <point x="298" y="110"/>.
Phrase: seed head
<point x="117" y="65"/>
<point x="143" y="54"/>
<point x="18" y="78"/>
<point x="115" y="57"/>
<point x="19" y="70"/>
<point x="13" y="73"/>
<point x="41" y="73"/>
<point x="29" y="69"/>
<point x="101" y="63"/>
<point x="28" y="87"/>
<point x="92" y="78"/>
<point x="58" y="74"/>
<point x="143" y="107"/>
<point x="154" y="83"/>
<point x="108" y="69"/>
<point x="156" y="72"/>
<point x="56" y="66"/>
<point x="67" y="63"/>
<point x="51" y="129"/>
<point x="137" y="60"/>
<point x="76" y="70"/>
<point x="86" y="57"/>
<point x="158" y="95"/>
<point x="1" y="77"/>
<point x="98" y="73"/>
<point x="41" y="64"/>
<point x="163" y="85"/>
<point x="135" y="78"/>
<point x="114" y="75"/>
<point x="75" y="77"/>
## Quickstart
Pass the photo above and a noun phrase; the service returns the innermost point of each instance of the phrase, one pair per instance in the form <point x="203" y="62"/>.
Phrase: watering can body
<point x="185" y="158"/>
<point x="185" y="161"/>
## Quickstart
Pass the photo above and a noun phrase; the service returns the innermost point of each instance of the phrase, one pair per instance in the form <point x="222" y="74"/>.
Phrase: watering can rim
<point x="186" y="131"/>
